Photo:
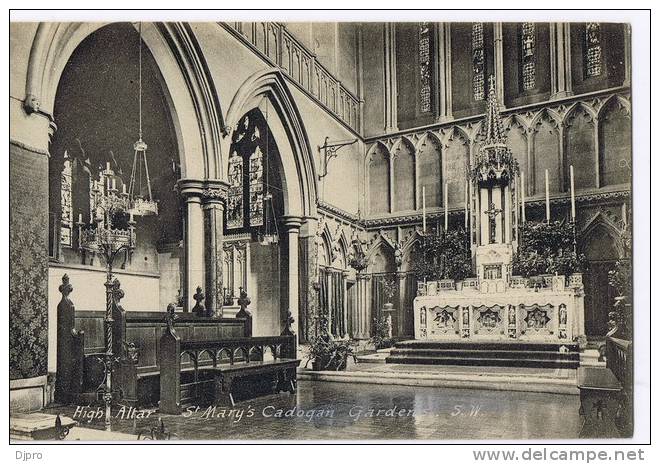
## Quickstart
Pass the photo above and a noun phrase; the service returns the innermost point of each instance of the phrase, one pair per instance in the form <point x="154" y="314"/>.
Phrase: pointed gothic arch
<point x="296" y="160"/>
<point x="187" y="85"/>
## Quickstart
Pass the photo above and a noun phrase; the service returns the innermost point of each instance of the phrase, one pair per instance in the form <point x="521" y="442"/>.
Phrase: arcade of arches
<point x="233" y="115"/>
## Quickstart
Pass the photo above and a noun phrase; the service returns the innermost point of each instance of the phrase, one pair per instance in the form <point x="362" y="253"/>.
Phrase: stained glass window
<point x="478" y="62"/>
<point x="424" y="68"/>
<point x="593" y="50"/>
<point x="256" y="188"/>
<point x="66" y="217"/>
<point x="528" y="55"/>
<point x="235" y="194"/>
<point x="247" y="189"/>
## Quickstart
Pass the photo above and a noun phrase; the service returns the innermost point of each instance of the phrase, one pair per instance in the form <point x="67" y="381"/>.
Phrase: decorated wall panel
<point x="429" y="162"/>
<point x="546" y="144"/>
<point x="404" y="176"/>
<point x="615" y="144"/>
<point x="28" y="262"/>
<point x="379" y="184"/>
<point x="580" y="146"/>
<point x="457" y="159"/>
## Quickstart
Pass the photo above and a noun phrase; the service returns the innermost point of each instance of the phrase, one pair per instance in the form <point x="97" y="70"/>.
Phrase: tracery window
<point x="478" y="62"/>
<point x="66" y="215"/>
<point x="246" y="195"/>
<point x="593" y="50"/>
<point x="256" y="186"/>
<point x="528" y="55"/>
<point x="424" y="68"/>
<point x="235" y="193"/>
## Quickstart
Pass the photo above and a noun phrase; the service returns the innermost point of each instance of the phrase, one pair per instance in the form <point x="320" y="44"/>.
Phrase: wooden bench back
<point x="176" y="352"/>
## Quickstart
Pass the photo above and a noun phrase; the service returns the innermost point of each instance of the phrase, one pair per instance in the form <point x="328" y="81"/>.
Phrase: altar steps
<point x="502" y="354"/>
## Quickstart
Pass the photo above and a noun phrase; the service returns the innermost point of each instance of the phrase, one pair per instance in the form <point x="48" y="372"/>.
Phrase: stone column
<point x="344" y="281"/>
<point x="391" y="122"/>
<point x="401" y="279"/>
<point x="498" y="62"/>
<point x="363" y="307"/>
<point x="193" y="239"/>
<point x="308" y="276"/>
<point x="214" y="198"/>
<point x="443" y="57"/>
<point x="560" y="60"/>
<point x="292" y="225"/>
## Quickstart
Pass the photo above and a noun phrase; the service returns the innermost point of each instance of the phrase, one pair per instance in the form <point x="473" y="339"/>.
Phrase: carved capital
<point x="214" y="195"/>
<point x="31" y="104"/>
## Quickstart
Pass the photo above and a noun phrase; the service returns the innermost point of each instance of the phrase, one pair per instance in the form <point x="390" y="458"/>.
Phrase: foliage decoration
<point x="443" y="256"/>
<point x="620" y="278"/>
<point x="326" y="353"/>
<point x="547" y="248"/>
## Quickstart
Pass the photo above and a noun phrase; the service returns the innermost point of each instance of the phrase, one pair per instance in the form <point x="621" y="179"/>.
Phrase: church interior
<point x="296" y="215"/>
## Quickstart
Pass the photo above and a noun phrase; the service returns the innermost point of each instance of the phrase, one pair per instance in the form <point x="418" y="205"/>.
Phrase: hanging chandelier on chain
<point x="268" y="235"/>
<point x="139" y="186"/>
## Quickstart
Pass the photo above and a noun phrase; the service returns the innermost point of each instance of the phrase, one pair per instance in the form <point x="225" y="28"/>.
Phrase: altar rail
<point x="275" y="44"/>
<point x="619" y="360"/>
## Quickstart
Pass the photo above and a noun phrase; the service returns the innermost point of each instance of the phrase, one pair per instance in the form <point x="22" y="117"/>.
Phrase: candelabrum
<point x="111" y="231"/>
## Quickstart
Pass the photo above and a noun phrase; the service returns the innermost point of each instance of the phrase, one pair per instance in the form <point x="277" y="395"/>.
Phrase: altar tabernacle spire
<point x="494" y="129"/>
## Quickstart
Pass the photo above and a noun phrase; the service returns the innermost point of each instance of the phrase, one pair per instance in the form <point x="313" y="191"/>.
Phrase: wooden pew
<point x="606" y="394"/>
<point x="136" y="344"/>
<point x="204" y="370"/>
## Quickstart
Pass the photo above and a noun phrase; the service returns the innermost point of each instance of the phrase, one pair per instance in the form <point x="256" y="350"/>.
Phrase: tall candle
<point x="424" y="209"/>
<point x="80" y="218"/>
<point x="446" y="208"/>
<point x="107" y="166"/>
<point x="547" y="197"/>
<point x="123" y="188"/>
<point x="572" y="194"/>
<point x="522" y="195"/>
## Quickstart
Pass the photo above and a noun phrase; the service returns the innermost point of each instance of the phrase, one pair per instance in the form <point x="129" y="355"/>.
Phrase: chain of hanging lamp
<point x="268" y="237"/>
<point x="141" y="205"/>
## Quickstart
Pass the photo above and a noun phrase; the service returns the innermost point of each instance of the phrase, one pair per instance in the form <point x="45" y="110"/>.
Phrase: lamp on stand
<point x="111" y="232"/>
<point x="108" y="235"/>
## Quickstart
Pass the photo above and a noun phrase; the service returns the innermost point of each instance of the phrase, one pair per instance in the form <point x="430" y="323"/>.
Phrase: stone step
<point x="467" y="353"/>
<point x="483" y="361"/>
<point x="562" y="383"/>
<point x="488" y="345"/>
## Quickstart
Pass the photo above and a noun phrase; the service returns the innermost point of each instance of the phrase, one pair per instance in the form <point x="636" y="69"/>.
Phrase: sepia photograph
<point x="258" y="230"/>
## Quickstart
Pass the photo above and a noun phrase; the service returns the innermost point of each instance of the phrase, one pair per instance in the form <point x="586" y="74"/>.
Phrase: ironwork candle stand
<point x="108" y="242"/>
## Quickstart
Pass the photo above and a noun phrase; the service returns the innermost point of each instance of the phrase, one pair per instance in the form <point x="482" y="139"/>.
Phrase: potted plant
<point x="389" y="289"/>
<point x="328" y="354"/>
<point x="381" y="338"/>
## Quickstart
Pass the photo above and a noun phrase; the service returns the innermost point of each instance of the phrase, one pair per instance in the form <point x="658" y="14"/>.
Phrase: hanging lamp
<point x="139" y="189"/>
<point x="268" y="236"/>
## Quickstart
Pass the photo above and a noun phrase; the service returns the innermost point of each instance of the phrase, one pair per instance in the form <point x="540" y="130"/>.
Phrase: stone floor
<point x="340" y="411"/>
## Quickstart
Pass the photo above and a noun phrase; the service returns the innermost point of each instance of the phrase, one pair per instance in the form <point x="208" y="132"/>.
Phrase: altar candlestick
<point x="424" y="209"/>
<point x="466" y="205"/>
<point x="80" y="218"/>
<point x="446" y="209"/>
<point x="522" y="194"/>
<point x="547" y="197"/>
<point x="572" y="194"/>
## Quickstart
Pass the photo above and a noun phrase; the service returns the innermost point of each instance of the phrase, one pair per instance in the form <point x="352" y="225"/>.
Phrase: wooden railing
<point x="280" y="48"/>
<point x="619" y="360"/>
<point x="188" y="368"/>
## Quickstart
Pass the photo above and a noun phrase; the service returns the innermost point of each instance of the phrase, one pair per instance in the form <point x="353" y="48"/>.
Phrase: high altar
<point x="496" y="306"/>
